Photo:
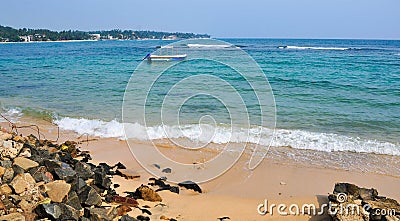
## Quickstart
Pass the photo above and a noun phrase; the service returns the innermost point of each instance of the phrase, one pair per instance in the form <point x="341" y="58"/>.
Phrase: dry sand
<point x="238" y="192"/>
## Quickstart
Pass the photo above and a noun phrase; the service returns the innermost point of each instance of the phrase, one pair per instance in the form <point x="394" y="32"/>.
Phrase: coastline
<point x="237" y="192"/>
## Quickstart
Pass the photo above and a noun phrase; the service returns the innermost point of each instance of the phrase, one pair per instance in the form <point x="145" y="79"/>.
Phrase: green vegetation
<point x="8" y="34"/>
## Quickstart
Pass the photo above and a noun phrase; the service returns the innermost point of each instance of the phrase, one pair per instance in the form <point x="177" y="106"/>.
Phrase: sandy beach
<point x="235" y="194"/>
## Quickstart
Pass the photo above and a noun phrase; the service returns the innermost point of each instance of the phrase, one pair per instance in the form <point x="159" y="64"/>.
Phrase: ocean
<point x="331" y="95"/>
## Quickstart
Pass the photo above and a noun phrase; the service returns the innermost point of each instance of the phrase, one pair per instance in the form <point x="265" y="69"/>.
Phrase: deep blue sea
<point x="341" y="95"/>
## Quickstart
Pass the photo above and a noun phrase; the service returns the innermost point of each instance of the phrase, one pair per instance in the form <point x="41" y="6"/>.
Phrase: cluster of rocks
<point x="40" y="179"/>
<point x="353" y="203"/>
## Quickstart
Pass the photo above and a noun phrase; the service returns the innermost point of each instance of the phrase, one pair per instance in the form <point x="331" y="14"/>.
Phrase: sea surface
<point x="331" y="95"/>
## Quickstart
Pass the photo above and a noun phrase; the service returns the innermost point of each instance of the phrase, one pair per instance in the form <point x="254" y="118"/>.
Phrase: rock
<point x="102" y="180"/>
<point x="26" y="206"/>
<point x="127" y="218"/>
<point x="167" y="170"/>
<point x="5" y="136"/>
<point x="147" y="194"/>
<point x="64" y="172"/>
<point x="157" y="166"/>
<point x="68" y="212"/>
<point x="29" y="216"/>
<point x="9" y="149"/>
<point x="41" y="174"/>
<point x="13" y="217"/>
<point x="83" y="170"/>
<point x="22" y="182"/>
<point x="129" y="201"/>
<point x="282" y="183"/>
<point x="123" y="210"/>
<point x="57" y="190"/>
<point x="190" y="185"/>
<point x="348" y="189"/>
<point x="17" y="170"/>
<point x="119" y="165"/>
<point x="101" y="214"/>
<point x="73" y="200"/>
<point x="383" y="203"/>
<point x="8" y="175"/>
<point x="2" y="171"/>
<point x="51" y="211"/>
<point x="127" y="174"/>
<point x="143" y="218"/>
<point x="25" y="152"/>
<point x="6" y="163"/>
<point x="5" y="189"/>
<point x="25" y="163"/>
<point x="368" y="194"/>
<point x="89" y="197"/>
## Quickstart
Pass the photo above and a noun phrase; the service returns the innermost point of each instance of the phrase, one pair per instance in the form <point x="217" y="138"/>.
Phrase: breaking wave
<point x="297" y="139"/>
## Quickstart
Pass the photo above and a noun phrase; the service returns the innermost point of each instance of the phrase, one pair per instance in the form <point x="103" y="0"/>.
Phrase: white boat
<point x="168" y="56"/>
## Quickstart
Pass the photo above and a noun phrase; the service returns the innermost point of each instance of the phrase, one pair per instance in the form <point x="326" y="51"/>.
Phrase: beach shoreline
<point x="236" y="193"/>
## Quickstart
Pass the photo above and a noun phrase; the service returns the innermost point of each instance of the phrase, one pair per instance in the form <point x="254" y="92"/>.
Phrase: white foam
<point x="223" y="134"/>
<point x="208" y="46"/>
<point x="313" y="48"/>
<point x="12" y="114"/>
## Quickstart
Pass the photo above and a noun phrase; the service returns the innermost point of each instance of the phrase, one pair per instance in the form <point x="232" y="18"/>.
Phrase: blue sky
<point x="367" y="19"/>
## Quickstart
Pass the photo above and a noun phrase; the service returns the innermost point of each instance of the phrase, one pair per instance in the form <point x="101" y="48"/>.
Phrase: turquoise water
<point x="329" y="94"/>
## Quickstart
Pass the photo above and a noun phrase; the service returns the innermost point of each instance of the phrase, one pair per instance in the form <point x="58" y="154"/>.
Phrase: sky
<point x="351" y="19"/>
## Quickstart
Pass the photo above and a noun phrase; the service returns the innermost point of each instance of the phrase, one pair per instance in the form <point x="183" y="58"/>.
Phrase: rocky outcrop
<point x="350" y="202"/>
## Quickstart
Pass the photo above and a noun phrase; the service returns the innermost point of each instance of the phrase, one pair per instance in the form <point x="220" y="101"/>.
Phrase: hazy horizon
<point x="291" y="19"/>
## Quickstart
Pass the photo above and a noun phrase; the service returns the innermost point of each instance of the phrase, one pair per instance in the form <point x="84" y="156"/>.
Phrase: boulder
<point x="57" y="190"/>
<point x="73" y="200"/>
<point x="25" y="163"/>
<point x="10" y="149"/>
<point x="22" y="182"/>
<point x="68" y="212"/>
<point x="146" y="193"/>
<point x="64" y="172"/>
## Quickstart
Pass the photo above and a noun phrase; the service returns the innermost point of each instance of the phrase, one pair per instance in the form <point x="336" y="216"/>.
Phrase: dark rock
<point x="146" y="211"/>
<point x="347" y="188"/>
<point x="127" y="218"/>
<point x="167" y="170"/>
<point x="17" y="170"/>
<point x="190" y="185"/>
<point x="68" y="212"/>
<point x="119" y="165"/>
<point x="73" y="200"/>
<point x="102" y="180"/>
<point x="116" y="185"/>
<point x="41" y="174"/>
<point x="6" y="163"/>
<point x="157" y="166"/>
<point x="51" y="211"/>
<point x="84" y="170"/>
<point x="368" y="194"/>
<point x="174" y="189"/>
<point x="52" y="164"/>
<point x="143" y="218"/>
<point x="89" y="197"/>
<point x="78" y="185"/>
<point x="64" y="172"/>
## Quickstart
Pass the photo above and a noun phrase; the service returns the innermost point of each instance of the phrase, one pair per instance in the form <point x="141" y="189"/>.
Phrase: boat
<point x="167" y="56"/>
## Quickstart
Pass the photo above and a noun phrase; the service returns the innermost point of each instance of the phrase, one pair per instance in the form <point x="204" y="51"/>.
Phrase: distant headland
<point x="9" y="34"/>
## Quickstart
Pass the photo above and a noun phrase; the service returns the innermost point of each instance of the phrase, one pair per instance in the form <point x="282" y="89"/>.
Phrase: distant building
<point x="26" y="38"/>
<point x="95" y="36"/>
